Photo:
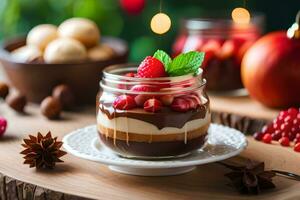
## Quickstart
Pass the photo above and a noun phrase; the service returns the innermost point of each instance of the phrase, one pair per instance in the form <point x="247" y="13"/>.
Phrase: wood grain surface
<point x="77" y="178"/>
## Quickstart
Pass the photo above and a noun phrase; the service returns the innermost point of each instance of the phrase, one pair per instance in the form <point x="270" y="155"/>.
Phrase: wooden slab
<point x="243" y="106"/>
<point x="78" y="178"/>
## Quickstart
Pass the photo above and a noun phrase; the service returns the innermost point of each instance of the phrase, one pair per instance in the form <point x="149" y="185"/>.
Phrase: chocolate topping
<point x="165" y="118"/>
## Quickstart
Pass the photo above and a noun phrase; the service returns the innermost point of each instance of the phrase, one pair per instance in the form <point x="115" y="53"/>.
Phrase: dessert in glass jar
<point x="156" y="110"/>
<point x="224" y="43"/>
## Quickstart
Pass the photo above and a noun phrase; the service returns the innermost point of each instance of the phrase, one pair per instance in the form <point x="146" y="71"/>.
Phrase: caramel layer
<point x="120" y="135"/>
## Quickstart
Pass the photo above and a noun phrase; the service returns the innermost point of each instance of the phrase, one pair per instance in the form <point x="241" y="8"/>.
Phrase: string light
<point x="160" y="23"/>
<point x="240" y="16"/>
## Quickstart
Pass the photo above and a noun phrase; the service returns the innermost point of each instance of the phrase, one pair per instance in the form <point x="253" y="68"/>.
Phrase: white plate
<point x="223" y="142"/>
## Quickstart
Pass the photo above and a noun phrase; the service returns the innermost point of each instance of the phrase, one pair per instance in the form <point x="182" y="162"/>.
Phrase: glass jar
<point x="224" y="42"/>
<point x="167" y="121"/>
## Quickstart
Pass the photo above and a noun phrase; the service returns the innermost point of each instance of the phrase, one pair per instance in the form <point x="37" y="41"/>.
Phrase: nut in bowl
<point x="157" y="110"/>
<point x="50" y="56"/>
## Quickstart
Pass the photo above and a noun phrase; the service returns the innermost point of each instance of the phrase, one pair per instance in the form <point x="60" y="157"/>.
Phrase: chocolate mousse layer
<point x="153" y="145"/>
<point x="153" y="149"/>
<point x="164" y="118"/>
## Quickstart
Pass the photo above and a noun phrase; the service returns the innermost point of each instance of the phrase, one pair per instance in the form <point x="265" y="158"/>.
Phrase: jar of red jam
<point x="152" y="118"/>
<point x="224" y="43"/>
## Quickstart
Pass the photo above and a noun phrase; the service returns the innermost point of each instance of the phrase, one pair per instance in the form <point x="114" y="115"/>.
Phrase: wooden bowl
<point x="37" y="80"/>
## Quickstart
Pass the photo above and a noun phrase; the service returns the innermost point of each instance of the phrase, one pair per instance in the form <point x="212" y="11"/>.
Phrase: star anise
<point x="42" y="151"/>
<point x="250" y="179"/>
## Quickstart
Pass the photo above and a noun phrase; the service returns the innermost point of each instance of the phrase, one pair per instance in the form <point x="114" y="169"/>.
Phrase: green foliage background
<point x="19" y="16"/>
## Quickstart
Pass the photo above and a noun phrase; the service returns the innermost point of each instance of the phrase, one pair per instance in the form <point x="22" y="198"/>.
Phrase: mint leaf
<point x="186" y="63"/>
<point x="163" y="57"/>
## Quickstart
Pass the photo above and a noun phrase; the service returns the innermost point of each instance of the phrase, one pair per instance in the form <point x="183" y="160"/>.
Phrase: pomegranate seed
<point x="124" y="102"/>
<point x="297" y="147"/>
<point x="258" y="135"/>
<point x="267" y="138"/>
<point x="284" y="141"/>
<point x="293" y="111"/>
<point x="296" y="140"/>
<point x="285" y="134"/>
<point x="291" y="136"/>
<point x="276" y="136"/>
<point x="298" y="135"/>
<point x="152" y="105"/>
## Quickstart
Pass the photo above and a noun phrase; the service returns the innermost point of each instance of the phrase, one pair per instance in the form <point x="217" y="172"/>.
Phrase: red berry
<point x="124" y="102"/>
<point x="180" y="105"/>
<point x="276" y="136"/>
<point x="284" y="141"/>
<point x="267" y="138"/>
<point x="167" y="99"/>
<point x="152" y="105"/>
<point x="293" y="111"/>
<point x="258" y="136"/>
<point x="296" y="140"/>
<point x="133" y="7"/>
<point x="193" y="104"/>
<point x="151" y="68"/>
<point x="140" y="99"/>
<point x="145" y="88"/>
<point x="130" y="74"/>
<point x="297" y="147"/>
<point x="3" y="125"/>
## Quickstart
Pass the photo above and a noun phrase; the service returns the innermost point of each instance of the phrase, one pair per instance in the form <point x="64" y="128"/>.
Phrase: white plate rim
<point x="174" y="163"/>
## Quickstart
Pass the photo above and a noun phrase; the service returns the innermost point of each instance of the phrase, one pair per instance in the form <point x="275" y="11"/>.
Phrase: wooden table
<point x="77" y="178"/>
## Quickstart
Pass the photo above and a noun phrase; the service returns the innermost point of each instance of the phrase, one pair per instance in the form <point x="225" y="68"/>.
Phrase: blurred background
<point x="17" y="17"/>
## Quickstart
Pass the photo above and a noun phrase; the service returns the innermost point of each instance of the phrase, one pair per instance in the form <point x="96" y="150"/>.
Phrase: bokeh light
<point x="160" y="23"/>
<point x="240" y="16"/>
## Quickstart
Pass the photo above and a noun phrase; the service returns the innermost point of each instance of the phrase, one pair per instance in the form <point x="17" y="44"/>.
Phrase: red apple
<point x="271" y="70"/>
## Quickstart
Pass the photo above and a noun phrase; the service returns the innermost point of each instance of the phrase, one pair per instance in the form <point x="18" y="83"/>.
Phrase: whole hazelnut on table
<point x="65" y="50"/>
<point x="4" y="90"/>
<point x="17" y="102"/>
<point x="51" y="107"/>
<point x="65" y="95"/>
<point x="84" y="30"/>
<point x="41" y="35"/>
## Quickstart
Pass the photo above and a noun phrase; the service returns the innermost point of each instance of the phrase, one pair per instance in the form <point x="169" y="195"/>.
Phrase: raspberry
<point x="180" y="105"/>
<point x="140" y="99"/>
<point x="130" y="74"/>
<point x="3" y="125"/>
<point x="151" y="68"/>
<point x="124" y="102"/>
<point x="152" y="105"/>
<point x="145" y="88"/>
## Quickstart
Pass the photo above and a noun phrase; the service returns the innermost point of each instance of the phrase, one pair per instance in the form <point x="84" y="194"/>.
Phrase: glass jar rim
<point x="221" y="21"/>
<point x="110" y="77"/>
<point x="108" y="72"/>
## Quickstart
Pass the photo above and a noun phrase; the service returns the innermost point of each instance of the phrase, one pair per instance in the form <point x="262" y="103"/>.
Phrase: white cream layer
<point x="141" y="127"/>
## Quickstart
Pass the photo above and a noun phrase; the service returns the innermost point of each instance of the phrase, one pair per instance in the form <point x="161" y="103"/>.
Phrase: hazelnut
<point x="17" y="102"/>
<point x="27" y="54"/>
<point x="4" y="90"/>
<point x="51" y="107"/>
<point x="84" y="30"/>
<point x="41" y="35"/>
<point x="65" y="95"/>
<point x="65" y="50"/>
<point x="101" y="52"/>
